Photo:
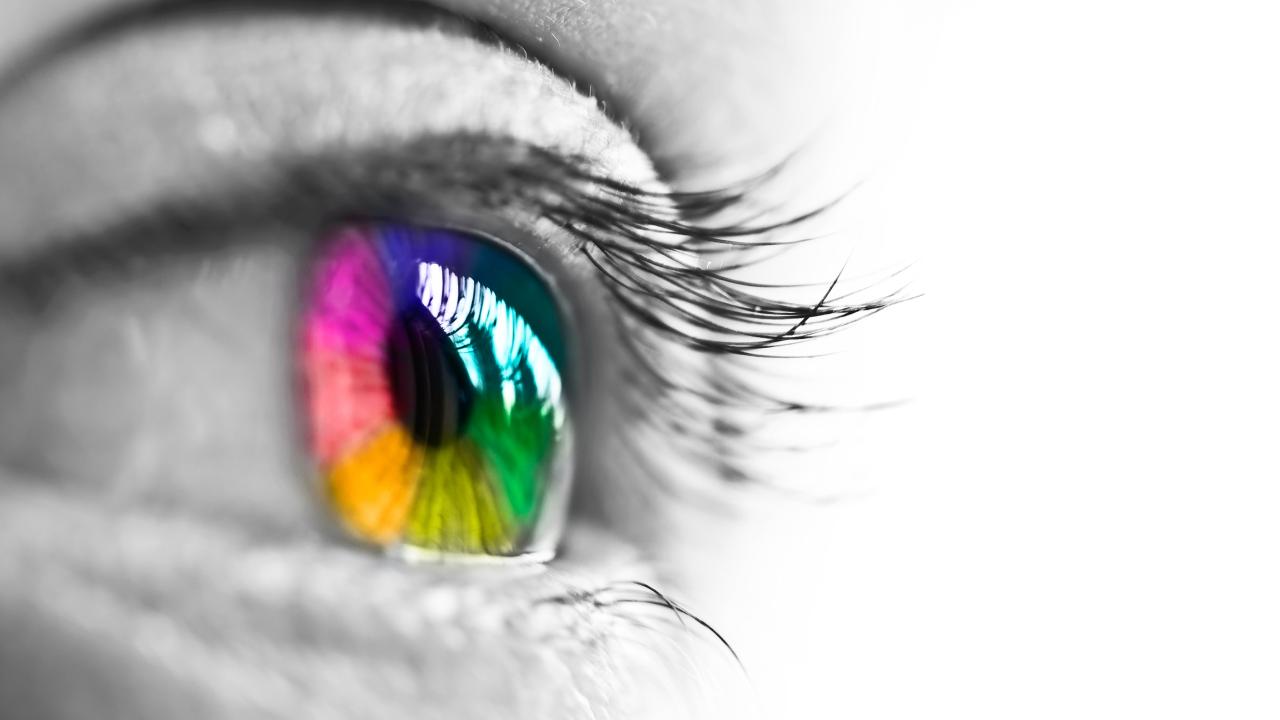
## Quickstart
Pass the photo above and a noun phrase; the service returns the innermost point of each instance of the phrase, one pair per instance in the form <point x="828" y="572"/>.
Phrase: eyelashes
<point x="704" y="342"/>
<point x="672" y="272"/>
<point x="663" y="257"/>
<point x="633" y="595"/>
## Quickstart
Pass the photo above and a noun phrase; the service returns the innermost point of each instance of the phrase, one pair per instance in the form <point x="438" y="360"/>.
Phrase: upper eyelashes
<point x="655" y="251"/>
<point x="665" y="263"/>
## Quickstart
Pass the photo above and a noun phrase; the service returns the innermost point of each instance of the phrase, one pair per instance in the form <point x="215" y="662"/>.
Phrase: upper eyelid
<point x="679" y="108"/>
<point x="702" y="203"/>
<point x="207" y="122"/>
<point x="106" y="24"/>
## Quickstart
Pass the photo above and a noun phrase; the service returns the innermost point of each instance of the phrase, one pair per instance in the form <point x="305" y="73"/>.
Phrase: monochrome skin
<point x="160" y="552"/>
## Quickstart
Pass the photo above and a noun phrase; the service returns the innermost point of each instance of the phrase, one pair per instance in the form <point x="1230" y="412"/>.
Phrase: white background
<point x="1079" y="517"/>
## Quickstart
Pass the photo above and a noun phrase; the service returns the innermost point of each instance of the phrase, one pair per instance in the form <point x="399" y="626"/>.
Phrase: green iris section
<point x="490" y="440"/>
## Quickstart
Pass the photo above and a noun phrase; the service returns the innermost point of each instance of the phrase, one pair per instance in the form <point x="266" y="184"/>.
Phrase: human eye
<point x="240" y="254"/>
<point x="432" y="363"/>
<point x="201" y="206"/>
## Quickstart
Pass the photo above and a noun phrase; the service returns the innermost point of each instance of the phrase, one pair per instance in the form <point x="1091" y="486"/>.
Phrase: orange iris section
<point x="373" y="487"/>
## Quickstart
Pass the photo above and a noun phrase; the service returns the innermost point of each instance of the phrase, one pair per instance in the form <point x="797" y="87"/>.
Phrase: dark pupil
<point x="429" y="384"/>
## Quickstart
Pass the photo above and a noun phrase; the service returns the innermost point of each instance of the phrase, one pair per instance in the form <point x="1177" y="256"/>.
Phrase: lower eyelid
<point x="279" y="625"/>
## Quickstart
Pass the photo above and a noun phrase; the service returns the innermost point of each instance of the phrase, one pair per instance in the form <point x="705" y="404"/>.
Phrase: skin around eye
<point x="177" y="565"/>
<point x="432" y="363"/>
<point x="147" y="418"/>
<point x="165" y="386"/>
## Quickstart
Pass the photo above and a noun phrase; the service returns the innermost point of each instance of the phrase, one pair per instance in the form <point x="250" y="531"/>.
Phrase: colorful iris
<point x="432" y="367"/>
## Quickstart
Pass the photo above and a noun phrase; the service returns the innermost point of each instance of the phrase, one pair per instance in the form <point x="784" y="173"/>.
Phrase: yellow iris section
<point x="391" y="490"/>
<point x="457" y="508"/>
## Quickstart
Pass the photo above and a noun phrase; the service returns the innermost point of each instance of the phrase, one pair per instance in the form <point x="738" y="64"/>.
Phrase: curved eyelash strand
<point x="668" y="273"/>
<point x="669" y="262"/>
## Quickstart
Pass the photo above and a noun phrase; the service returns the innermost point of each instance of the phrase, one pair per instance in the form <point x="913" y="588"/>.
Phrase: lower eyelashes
<point x="432" y="365"/>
